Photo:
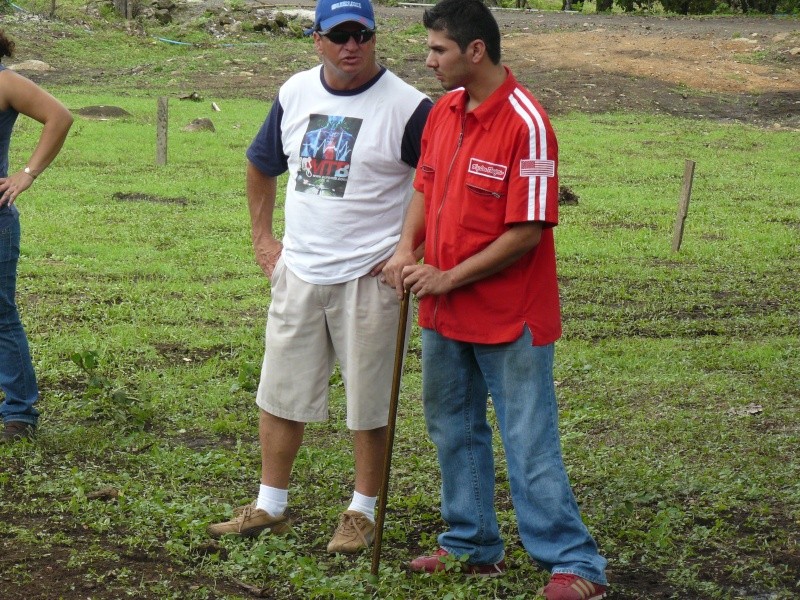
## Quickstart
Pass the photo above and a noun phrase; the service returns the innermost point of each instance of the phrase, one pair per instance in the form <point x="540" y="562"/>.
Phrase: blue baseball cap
<point x="331" y="13"/>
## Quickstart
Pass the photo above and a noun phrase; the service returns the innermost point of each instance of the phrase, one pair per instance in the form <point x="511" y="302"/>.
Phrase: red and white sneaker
<point x="438" y="562"/>
<point x="564" y="586"/>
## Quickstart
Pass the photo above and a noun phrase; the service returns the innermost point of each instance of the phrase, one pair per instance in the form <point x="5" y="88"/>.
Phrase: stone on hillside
<point x="281" y="19"/>
<point x="163" y="16"/>
<point x="301" y="14"/>
<point x="200" y="125"/>
<point x="31" y="65"/>
<point x="103" y="112"/>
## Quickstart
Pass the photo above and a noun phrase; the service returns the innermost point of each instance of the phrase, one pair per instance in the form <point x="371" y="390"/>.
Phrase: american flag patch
<point x="537" y="168"/>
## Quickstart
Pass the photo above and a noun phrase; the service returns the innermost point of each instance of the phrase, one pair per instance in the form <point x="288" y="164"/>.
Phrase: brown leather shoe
<point x="240" y="509"/>
<point x="15" y="431"/>
<point x="355" y="532"/>
<point x="249" y="521"/>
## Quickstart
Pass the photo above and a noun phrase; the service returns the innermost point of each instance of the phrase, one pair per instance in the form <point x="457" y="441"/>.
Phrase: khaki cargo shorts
<point x="311" y="326"/>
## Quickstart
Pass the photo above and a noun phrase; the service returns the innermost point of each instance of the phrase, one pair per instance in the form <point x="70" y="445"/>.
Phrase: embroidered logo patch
<point x="339" y="5"/>
<point x="487" y="169"/>
<point x="537" y="168"/>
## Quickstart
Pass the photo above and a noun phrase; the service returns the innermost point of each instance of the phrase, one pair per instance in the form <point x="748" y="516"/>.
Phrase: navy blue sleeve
<point x="410" y="148"/>
<point x="266" y="150"/>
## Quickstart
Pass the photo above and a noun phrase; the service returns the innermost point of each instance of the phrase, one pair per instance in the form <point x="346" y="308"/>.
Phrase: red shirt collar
<point x="489" y="108"/>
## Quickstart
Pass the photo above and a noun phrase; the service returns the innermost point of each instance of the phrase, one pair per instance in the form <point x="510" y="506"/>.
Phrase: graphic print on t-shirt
<point x="326" y="153"/>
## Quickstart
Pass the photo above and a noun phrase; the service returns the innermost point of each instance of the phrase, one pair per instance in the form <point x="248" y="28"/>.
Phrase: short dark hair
<point x="465" y="21"/>
<point x="6" y="45"/>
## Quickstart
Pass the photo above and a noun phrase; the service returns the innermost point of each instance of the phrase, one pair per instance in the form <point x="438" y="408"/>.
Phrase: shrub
<point x="788" y="7"/>
<point x="631" y="5"/>
<point x="689" y="7"/>
<point x="706" y="7"/>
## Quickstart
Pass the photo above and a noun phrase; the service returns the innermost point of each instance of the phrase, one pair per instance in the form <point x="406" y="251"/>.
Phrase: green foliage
<point x="103" y="401"/>
<point x="690" y="7"/>
<point x="788" y="7"/>
<point x="108" y="12"/>
<point x="235" y="5"/>
<point x="756" y="6"/>
<point x="705" y="7"/>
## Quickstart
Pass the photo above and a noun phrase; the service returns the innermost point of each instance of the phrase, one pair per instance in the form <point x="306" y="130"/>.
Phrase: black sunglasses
<point x="362" y="36"/>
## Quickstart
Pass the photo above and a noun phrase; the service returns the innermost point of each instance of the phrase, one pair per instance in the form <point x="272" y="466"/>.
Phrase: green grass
<point x="146" y="322"/>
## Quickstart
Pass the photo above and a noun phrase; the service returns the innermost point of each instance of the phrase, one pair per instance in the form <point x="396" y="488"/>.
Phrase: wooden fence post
<point x="162" y="121"/>
<point x="683" y="206"/>
<point x="124" y="8"/>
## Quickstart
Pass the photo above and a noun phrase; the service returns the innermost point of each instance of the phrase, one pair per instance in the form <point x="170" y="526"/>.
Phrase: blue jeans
<point x="457" y="378"/>
<point x="17" y="379"/>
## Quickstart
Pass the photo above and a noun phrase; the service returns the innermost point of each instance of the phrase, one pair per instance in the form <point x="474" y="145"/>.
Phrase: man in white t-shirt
<point x="348" y="132"/>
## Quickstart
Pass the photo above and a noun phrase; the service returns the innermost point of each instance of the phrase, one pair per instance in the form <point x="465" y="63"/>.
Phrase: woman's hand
<point x="13" y="185"/>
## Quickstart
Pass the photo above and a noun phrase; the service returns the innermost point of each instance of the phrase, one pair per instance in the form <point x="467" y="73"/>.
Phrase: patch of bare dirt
<point x="736" y="69"/>
<point x="103" y="112"/>
<point x="138" y="197"/>
<point x="710" y="65"/>
<point x="70" y="561"/>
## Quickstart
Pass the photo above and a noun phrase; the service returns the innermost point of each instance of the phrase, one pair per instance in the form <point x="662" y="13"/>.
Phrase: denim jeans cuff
<point x="27" y="419"/>
<point x="471" y="562"/>
<point x="594" y="578"/>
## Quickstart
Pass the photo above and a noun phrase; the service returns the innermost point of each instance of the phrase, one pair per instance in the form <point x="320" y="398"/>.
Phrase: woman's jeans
<point x="17" y="379"/>
<point x="457" y="378"/>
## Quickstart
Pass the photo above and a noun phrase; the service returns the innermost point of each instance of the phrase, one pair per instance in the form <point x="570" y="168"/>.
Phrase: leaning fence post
<point x="162" y="119"/>
<point x="683" y="205"/>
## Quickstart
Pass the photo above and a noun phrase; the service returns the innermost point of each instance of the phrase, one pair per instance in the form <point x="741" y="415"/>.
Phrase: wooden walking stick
<point x="387" y="457"/>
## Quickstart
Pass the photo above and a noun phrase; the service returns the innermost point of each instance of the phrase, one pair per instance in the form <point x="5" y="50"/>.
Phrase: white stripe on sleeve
<point x="537" y="186"/>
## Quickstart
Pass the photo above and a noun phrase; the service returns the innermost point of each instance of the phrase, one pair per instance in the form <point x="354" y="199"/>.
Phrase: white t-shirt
<point x="351" y="157"/>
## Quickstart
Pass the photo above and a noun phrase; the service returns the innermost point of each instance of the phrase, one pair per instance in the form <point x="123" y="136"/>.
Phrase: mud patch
<point x="137" y="197"/>
<point x="83" y="566"/>
<point x="178" y="354"/>
<point x="103" y="112"/>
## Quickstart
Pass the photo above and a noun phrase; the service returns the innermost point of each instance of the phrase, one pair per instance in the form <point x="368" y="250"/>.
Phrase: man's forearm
<point x="504" y="251"/>
<point x="413" y="232"/>
<point x="261" y="194"/>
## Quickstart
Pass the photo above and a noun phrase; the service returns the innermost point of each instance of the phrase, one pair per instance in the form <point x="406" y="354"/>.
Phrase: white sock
<point x="272" y="500"/>
<point x="364" y="504"/>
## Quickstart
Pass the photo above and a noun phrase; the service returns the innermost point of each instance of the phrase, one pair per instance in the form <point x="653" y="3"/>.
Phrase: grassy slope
<point x="662" y="355"/>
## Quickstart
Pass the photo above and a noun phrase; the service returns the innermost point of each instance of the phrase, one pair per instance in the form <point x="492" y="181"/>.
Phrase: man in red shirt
<point x="484" y="206"/>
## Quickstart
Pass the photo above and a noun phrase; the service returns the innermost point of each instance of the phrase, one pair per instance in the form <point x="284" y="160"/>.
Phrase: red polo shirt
<point x="481" y="172"/>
